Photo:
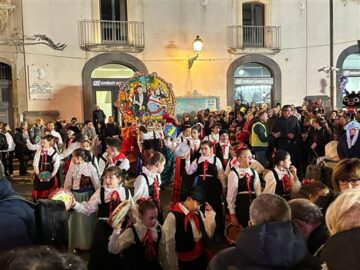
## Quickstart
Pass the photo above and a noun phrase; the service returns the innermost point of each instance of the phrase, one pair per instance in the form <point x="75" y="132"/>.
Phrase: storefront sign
<point x="106" y="82"/>
<point x="353" y="73"/>
<point x="254" y="81"/>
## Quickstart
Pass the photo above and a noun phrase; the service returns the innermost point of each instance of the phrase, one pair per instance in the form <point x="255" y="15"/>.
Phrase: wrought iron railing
<point x="120" y="35"/>
<point x="241" y="37"/>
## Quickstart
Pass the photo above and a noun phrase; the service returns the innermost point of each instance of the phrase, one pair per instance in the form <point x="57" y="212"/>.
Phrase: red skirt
<point x="44" y="194"/>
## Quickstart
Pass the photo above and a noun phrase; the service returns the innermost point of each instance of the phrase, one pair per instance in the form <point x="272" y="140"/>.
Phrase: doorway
<point x="105" y="84"/>
<point x="5" y="92"/>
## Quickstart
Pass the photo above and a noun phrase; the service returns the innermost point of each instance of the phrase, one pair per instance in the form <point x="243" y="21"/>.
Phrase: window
<point x="351" y="69"/>
<point x="113" y="10"/>
<point x="253" y="24"/>
<point x="113" y="16"/>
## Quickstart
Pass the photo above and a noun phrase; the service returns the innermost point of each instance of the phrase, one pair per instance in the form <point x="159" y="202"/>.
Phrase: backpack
<point x="51" y="221"/>
<point x="3" y="142"/>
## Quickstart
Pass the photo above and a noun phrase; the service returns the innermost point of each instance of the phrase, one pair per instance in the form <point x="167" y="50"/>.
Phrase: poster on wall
<point x="194" y="104"/>
<point x="40" y="82"/>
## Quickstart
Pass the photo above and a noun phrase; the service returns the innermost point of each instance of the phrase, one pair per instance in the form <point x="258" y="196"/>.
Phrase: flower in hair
<point x="307" y="182"/>
<point x="142" y="199"/>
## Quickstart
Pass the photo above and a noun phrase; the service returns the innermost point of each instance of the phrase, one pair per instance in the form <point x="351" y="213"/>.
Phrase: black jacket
<point x="17" y="222"/>
<point x="341" y="251"/>
<point x="20" y="147"/>
<point x="345" y="152"/>
<point x="267" y="246"/>
<point x="286" y="126"/>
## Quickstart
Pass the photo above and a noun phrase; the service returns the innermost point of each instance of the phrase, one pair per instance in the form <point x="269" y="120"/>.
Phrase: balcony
<point x="121" y="36"/>
<point x="253" y="39"/>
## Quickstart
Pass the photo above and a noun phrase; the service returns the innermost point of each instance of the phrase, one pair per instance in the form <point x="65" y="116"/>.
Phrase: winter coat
<point x="267" y="246"/>
<point x="17" y="222"/>
<point x="345" y="152"/>
<point x="341" y="251"/>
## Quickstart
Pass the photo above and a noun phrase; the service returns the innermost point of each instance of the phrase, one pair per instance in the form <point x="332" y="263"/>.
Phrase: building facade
<point x="58" y="58"/>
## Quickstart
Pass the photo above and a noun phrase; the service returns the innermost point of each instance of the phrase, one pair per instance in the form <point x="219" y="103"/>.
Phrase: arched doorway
<point x="117" y="67"/>
<point x="254" y="78"/>
<point x="5" y="93"/>
<point x="105" y="80"/>
<point x="349" y="64"/>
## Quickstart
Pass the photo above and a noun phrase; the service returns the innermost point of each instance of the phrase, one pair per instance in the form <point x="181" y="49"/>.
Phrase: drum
<point x="181" y="150"/>
<point x="64" y="195"/>
<point x="44" y="176"/>
<point x="119" y="213"/>
<point x="232" y="232"/>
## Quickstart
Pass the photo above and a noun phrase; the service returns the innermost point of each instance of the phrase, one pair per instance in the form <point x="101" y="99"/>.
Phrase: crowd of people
<point x="248" y="168"/>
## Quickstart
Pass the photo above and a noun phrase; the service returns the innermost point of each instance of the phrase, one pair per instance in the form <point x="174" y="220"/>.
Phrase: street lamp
<point x="197" y="47"/>
<point x="331" y="18"/>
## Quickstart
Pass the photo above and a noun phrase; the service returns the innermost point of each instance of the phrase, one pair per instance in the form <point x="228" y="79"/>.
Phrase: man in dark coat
<point x="17" y="222"/>
<point x="287" y="132"/>
<point x="271" y="243"/>
<point x="98" y="117"/>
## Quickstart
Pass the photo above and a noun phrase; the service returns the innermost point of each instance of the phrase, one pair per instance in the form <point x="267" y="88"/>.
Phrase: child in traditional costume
<point x="223" y="148"/>
<point x="147" y="184"/>
<point x="113" y="156"/>
<point x="282" y="179"/>
<point x="46" y="164"/>
<point x="82" y="179"/>
<point x="104" y="201"/>
<point x="140" y="243"/>
<point x="208" y="173"/>
<point x="214" y="136"/>
<point x="243" y="187"/>
<point x="187" y="233"/>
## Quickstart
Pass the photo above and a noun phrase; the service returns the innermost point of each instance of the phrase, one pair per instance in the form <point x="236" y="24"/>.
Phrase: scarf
<point x="351" y="141"/>
<point x="149" y="246"/>
<point x="286" y="183"/>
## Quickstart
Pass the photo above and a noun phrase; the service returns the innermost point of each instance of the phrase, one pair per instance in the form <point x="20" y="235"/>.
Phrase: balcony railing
<point x="242" y="37"/>
<point x="95" y="35"/>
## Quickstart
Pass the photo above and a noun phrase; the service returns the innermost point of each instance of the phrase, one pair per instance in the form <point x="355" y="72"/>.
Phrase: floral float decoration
<point x="145" y="98"/>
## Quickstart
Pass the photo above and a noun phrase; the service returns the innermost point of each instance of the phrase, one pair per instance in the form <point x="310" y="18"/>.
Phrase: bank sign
<point x="254" y="81"/>
<point x="107" y="82"/>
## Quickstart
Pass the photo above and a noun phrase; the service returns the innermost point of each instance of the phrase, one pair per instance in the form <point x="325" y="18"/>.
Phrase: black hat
<point x="223" y="131"/>
<point x="197" y="194"/>
<point x="75" y="129"/>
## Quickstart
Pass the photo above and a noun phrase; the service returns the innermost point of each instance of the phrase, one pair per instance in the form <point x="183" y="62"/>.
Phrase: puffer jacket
<point x="17" y="220"/>
<point x="341" y="251"/>
<point x="267" y="246"/>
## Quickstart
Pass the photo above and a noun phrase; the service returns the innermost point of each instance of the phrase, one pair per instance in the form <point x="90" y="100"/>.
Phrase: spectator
<point x="89" y="130"/>
<point x="21" y="150"/>
<point x="36" y="131"/>
<point x="346" y="175"/>
<point x="111" y="128"/>
<point x="341" y="251"/>
<point x="349" y="143"/>
<point x="8" y="155"/>
<point x="287" y="132"/>
<point x="311" y="222"/>
<point x="98" y="116"/>
<point x="271" y="242"/>
<point x="259" y="138"/>
<point x="40" y="258"/>
<point x="17" y="223"/>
